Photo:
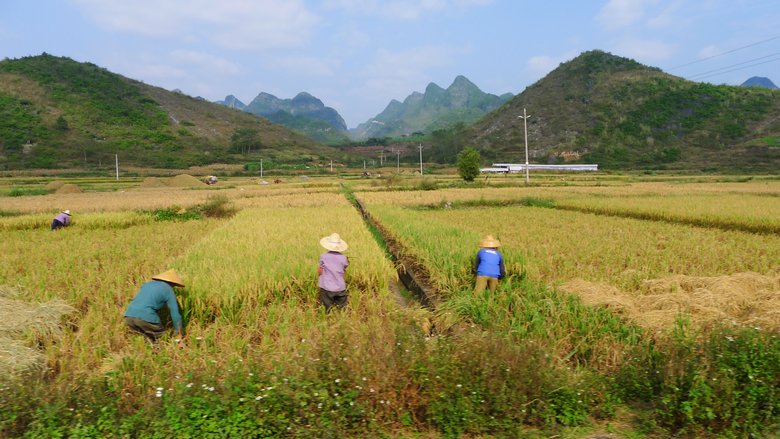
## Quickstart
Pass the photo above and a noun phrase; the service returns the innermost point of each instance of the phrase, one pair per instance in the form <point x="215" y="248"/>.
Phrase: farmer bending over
<point x="489" y="265"/>
<point x="141" y="314"/>
<point x="333" y="288"/>
<point x="61" y="220"/>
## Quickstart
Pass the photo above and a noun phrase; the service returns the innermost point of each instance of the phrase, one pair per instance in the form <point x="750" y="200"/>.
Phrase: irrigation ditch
<point x="411" y="273"/>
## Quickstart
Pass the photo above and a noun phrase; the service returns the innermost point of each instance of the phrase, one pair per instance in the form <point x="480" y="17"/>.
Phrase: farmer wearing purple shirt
<point x="333" y="288"/>
<point x="61" y="220"/>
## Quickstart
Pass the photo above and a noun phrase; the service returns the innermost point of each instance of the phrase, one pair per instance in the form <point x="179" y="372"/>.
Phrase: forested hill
<point x="56" y="112"/>
<point x="610" y="110"/>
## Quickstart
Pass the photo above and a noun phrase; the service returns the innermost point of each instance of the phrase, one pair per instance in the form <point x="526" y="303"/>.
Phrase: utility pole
<point x="261" y="168"/>
<point x="398" y="161"/>
<point x="525" y="130"/>
<point x="116" y="156"/>
<point x="381" y="157"/>
<point x="364" y="164"/>
<point x="421" y="170"/>
<point x="331" y="166"/>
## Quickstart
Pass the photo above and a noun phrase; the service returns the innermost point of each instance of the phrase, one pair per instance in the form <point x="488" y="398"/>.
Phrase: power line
<point x="740" y="68"/>
<point x="733" y="65"/>
<point x="725" y="53"/>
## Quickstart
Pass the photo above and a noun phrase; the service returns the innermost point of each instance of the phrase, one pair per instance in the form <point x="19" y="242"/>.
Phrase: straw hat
<point x="334" y="243"/>
<point x="169" y="276"/>
<point x="489" y="242"/>
<point x="66" y="212"/>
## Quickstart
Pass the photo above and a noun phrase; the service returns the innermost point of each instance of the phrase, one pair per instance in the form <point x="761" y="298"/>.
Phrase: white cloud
<point x="205" y="62"/>
<point x="409" y="64"/>
<point x="541" y="65"/>
<point x="304" y="66"/>
<point x="708" y="52"/>
<point x="618" y="14"/>
<point x="401" y="9"/>
<point x="393" y="75"/>
<point x="644" y="51"/>
<point x="233" y="24"/>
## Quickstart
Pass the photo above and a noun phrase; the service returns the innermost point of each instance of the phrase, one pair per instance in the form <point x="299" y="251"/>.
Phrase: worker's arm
<point x="501" y="268"/>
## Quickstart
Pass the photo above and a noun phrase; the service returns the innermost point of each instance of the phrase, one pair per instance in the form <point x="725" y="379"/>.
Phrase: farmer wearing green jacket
<point x="142" y="313"/>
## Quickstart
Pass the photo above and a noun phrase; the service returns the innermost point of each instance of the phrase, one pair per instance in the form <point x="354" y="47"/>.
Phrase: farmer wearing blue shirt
<point x="141" y="314"/>
<point x="489" y="265"/>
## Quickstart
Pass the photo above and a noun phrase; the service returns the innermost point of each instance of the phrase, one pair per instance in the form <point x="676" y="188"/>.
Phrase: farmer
<point x="141" y="314"/>
<point x="333" y="288"/>
<point x="61" y="220"/>
<point x="489" y="265"/>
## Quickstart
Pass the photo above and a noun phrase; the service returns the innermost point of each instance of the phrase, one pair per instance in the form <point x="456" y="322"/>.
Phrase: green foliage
<point x="216" y="206"/>
<point x="61" y="124"/>
<point x="172" y="214"/>
<point x="244" y="140"/>
<point x="21" y="192"/>
<point x="723" y="382"/>
<point x="468" y="164"/>
<point x="447" y="143"/>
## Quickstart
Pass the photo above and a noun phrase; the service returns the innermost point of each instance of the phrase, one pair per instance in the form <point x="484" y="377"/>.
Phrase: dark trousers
<point x="329" y="299"/>
<point x="152" y="331"/>
<point x="56" y="224"/>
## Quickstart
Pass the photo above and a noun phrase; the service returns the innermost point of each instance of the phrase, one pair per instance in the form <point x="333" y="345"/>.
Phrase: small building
<point x="512" y="168"/>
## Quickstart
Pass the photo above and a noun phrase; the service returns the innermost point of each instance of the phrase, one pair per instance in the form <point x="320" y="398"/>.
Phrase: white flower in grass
<point x="337" y="380"/>
<point x="258" y="397"/>
<point x="189" y="385"/>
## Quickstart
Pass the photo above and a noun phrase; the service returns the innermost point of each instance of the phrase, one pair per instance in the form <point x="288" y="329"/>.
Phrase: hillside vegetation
<point x="616" y="112"/>
<point x="56" y="112"/>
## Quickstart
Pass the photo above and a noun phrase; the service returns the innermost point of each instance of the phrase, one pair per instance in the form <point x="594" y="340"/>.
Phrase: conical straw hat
<point x="334" y="243"/>
<point x="489" y="242"/>
<point x="169" y="276"/>
<point x="66" y="212"/>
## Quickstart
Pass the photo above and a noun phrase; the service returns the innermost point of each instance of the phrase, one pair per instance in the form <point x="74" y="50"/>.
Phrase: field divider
<point x="412" y="274"/>
<point x="707" y="223"/>
<point x="661" y="217"/>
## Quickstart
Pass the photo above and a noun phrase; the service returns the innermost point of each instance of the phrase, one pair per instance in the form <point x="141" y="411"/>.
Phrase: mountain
<point x="304" y="113"/>
<point x="437" y="108"/>
<point x="56" y="112"/>
<point x="232" y="102"/>
<point x="605" y="109"/>
<point x="758" y="81"/>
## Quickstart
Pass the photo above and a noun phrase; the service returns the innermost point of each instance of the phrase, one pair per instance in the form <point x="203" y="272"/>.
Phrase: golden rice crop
<point x="147" y="198"/>
<point x="720" y="210"/>
<point x="555" y="246"/>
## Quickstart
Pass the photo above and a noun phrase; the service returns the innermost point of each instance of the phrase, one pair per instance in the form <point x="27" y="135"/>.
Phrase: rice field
<point x="588" y="290"/>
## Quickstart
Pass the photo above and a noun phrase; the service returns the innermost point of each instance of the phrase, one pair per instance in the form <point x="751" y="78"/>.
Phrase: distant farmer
<point x="61" y="220"/>
<point x="142" y="313"/>
<point x="489" y="265"/>
<point x="333" y="264"/>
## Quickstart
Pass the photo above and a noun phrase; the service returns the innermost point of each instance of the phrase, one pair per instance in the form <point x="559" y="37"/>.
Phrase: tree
<point x="468" y="163"/>
<point x="244" y="140"/>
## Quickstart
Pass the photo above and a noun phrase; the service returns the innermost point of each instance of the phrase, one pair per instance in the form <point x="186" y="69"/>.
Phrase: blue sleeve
<point x="173" y="307"/>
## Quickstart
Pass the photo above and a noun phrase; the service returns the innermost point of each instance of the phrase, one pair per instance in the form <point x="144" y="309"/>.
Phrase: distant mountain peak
<point x="436" y="108"/>
<point x="759" y="81"/>
<point x="462" y="82"/>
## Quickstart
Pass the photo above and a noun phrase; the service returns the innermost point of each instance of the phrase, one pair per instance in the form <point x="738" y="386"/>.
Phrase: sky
<point x="358" y="55"/>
